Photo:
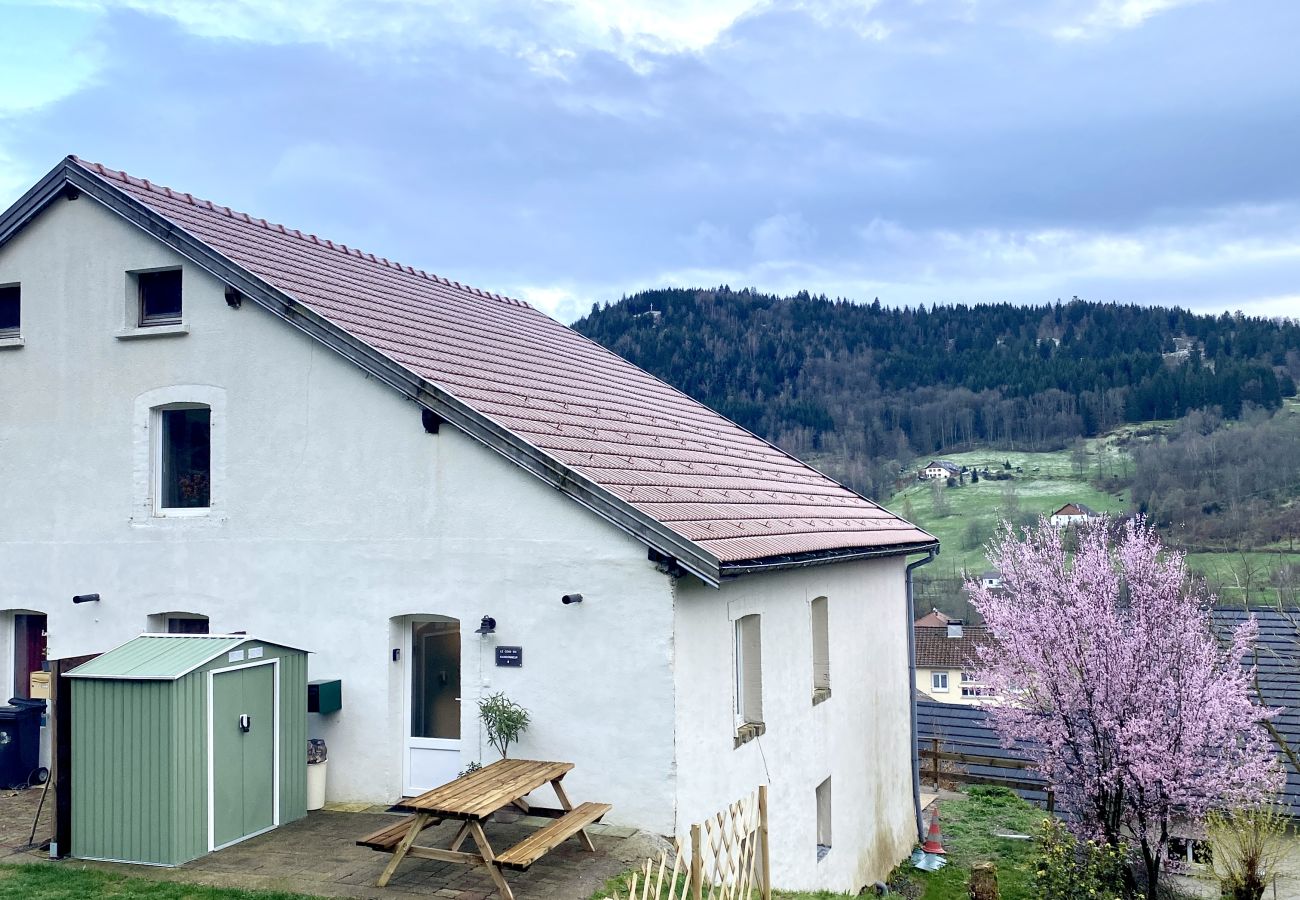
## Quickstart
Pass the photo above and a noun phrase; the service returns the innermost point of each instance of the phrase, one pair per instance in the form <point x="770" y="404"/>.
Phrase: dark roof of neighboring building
<point x="687" y="481"/>
<point x="1278" y="662"/>
<point x="935" y="650"/>
<point x="932" y="618"/>
<point x="965" y="729"/>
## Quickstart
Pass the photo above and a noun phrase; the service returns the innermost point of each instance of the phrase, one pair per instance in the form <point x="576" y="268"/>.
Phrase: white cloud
<point x="543" y="32"/>
<point x="780" y="237"/>
<point x="1106" y="16"/>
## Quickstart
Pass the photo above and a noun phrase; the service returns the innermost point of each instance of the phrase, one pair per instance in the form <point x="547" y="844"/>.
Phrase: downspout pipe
<point x="911" y="690"/>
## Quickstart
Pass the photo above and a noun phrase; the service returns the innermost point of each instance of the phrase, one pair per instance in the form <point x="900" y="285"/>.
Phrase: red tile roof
<point x="932" y="619"/>
<point x="668" y="456"/>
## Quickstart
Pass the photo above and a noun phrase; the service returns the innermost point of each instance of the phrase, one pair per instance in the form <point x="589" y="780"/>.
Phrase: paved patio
<point x="318" y="855"/>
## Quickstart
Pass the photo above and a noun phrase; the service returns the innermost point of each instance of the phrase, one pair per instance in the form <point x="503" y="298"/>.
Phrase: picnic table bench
<point x="472" y="799"/>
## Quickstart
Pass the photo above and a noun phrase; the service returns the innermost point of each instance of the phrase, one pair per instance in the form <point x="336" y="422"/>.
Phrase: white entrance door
<point x="432" y="752"/>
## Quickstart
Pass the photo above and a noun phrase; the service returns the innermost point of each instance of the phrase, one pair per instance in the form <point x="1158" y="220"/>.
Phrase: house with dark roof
<point x="947" y="662"/>
<point x="215" y="423"/>
<point x="940" y="468"/>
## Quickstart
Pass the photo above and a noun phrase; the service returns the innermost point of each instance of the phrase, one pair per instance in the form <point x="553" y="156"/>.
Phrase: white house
<point x="940" y="468"/>
<point x="215" y="423"/>
<point x="1074" y="514"/>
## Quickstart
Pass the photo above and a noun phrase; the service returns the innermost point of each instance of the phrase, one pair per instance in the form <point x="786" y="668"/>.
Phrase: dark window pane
<point x="10" y="309"/>
<point x="187" y="626"/>
<point x="160" y="297"/>
<point x="186" y="458"/>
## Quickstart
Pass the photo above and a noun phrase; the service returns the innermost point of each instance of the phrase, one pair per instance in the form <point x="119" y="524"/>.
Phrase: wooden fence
<point x="958" y="771"/>
<point x="727" y="859"/>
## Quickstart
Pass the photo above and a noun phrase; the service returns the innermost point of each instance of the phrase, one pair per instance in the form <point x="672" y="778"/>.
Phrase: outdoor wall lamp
<point x="86" y="598"/>
<point x="487" y="626"/>
<point x="571" y="598"/>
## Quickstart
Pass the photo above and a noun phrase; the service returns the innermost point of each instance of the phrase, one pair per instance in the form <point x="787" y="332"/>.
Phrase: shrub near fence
<point x="727" y="859"/>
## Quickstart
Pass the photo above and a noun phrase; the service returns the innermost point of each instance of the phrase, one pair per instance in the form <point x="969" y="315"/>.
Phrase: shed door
<point x="244" y="783"/>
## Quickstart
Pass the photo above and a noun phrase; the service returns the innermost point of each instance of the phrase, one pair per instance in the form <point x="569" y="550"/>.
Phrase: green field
<point x="1045" y="483"/>
<point x="967" y="515"/>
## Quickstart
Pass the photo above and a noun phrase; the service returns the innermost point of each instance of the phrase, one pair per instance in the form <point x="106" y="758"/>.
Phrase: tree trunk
<point x="984" y="881"/>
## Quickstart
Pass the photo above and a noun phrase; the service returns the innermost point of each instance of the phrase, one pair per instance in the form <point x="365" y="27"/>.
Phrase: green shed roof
<point x="160" y="657"/>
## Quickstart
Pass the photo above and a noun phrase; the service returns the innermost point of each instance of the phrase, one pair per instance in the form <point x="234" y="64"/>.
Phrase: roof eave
<point x="823" y="557"/>
<point x="586" y="492"/>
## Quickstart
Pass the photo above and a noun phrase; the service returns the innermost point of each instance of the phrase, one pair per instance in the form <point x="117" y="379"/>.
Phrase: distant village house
<point x="947" y="660"/>
<point x="940" y="468"/>
<point x="1074" y="514"/>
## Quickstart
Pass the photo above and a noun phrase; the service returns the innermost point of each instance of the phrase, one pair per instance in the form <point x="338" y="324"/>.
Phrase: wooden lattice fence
<point x="727" y="859"/>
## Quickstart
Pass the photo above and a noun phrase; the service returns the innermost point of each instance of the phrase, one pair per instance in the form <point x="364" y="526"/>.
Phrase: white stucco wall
<point x="859" y="737"/>
<point x="332" y="512"/>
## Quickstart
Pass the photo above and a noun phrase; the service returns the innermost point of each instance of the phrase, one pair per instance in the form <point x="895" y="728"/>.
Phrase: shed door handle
<point x="245" y="722"/>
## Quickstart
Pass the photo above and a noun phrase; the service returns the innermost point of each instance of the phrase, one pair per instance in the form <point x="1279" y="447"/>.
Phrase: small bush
<point x="1067" y="869"/>
<point x="1247" y="849"/>
<point x="503" y="719"/>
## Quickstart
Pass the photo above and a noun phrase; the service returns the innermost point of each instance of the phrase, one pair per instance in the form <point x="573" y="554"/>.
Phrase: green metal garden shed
<point x="183" y="744"/>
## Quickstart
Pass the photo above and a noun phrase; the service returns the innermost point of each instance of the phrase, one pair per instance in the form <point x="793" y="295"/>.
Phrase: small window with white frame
<point x="821" y="650"/>
<point x="749" y="677"/>
<point x="939" y="681"/>
<point x="182" y="459"/>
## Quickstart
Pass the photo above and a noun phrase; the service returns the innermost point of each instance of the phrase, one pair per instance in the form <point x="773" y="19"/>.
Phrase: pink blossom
<point x="1106" y="663"/>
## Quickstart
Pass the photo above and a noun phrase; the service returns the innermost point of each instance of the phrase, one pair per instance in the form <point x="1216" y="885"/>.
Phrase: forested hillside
<point x="861" y="388"/>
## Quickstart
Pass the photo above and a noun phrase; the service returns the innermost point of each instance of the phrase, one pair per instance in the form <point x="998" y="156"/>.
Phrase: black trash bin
<point x="20" y="743"/>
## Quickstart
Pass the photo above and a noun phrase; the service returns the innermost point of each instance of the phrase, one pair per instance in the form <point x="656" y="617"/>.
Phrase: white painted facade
<point x="335" y="516"/>
<point x="952" y="686"/>
<point x="858" y="737"/>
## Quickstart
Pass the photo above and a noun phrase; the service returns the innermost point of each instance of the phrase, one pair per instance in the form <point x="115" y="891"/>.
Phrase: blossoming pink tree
<point x="1105" y="661"/>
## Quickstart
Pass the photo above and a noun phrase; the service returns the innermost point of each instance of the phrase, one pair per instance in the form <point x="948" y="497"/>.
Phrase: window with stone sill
<point x="159" y="297"/>
<point x="10" y="311"/>
<point x="748" y="648"/>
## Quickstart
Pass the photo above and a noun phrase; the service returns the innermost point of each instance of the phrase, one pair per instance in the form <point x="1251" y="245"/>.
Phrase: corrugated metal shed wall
<point x="123" y="773"/>
<point x="140" y="763"/>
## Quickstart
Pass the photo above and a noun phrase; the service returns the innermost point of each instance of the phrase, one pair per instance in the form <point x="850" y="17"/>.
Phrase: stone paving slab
<point x="318" y="855"/>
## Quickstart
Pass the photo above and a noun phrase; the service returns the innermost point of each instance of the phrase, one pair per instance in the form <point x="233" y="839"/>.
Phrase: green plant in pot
<point x="503" y="719"/>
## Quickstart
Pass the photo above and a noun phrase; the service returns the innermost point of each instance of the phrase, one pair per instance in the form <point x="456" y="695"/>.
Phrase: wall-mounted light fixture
<point x="86" y="598"/>
<point x="571" y="598"/>
<point x="487" y="626"/>
<point x="234" y="299"/>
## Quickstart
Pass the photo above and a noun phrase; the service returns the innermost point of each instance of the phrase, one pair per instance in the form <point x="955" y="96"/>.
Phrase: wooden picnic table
<point x="472" y="799"/>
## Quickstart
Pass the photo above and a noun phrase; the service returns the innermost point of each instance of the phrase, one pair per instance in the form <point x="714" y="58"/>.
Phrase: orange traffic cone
<point x="933" y="841"/>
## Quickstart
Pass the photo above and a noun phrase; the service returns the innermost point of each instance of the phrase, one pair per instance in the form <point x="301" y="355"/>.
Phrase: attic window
<point x="160" y="297"/>
<point x="10" y="310"/>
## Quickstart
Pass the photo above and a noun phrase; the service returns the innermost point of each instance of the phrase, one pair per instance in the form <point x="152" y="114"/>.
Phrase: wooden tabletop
<point x="482" y="792"/>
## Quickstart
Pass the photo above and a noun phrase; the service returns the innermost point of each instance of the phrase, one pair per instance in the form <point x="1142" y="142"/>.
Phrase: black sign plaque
<point x="510" y="657"/>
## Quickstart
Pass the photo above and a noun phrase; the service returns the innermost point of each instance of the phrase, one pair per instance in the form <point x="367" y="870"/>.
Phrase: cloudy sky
<point x="570" y="151"/>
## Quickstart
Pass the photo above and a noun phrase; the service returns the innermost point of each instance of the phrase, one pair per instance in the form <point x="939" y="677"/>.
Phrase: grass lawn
<point x="969" y="827"/>
<point x="61" y="882"/>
